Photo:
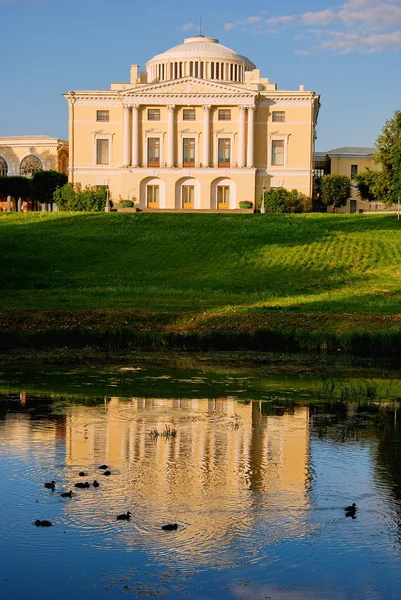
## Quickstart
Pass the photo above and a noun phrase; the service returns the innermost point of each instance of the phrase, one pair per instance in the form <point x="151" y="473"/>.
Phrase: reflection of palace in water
<point x="228" y="476"/>
<point x="218" y="437"/>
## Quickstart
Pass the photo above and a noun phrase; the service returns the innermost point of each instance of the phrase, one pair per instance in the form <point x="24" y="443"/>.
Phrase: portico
<point x="134" y="111"/>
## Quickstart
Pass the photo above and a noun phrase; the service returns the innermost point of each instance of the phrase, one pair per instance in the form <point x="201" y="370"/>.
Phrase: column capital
<point x="171" y="107"/>
<point x="251" y="107"/>
<point x="135" y="106"/>
<point x="207" y="107"/>
<point x="242" y="108"/>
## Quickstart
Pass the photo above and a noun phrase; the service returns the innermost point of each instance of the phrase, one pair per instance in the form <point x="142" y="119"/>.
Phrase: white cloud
<point x="284" y="20"/>
<point x="371" y="14"/>
<point x="186" y="27"/>
<point x="230" y="26"/>
<point x="302" y="52"/>
<point x="349" y="42"/>
<point x="356" y="26"/>
<point x="321" y="18"/>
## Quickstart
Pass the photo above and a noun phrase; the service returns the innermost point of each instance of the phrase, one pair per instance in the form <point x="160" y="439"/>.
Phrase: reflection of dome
<point x="206" y="53"/>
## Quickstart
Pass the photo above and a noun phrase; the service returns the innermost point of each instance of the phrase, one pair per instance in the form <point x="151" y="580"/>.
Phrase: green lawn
<point x="201" y="263"/>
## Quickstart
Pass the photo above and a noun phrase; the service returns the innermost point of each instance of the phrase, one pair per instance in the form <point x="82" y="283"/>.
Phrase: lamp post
<point x="262" y="206"/>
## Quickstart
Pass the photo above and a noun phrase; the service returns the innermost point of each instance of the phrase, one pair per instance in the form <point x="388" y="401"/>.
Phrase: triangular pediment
<point x="189" y="85"/>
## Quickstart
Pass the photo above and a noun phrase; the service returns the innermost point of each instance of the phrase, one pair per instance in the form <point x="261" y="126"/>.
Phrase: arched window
<point x="29" y="165"/>
<point x="3" y="167"/>
<point x="63" y="165"/>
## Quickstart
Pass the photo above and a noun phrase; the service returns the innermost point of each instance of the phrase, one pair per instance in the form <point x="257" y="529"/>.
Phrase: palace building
<point x="23" y="155"/>
<point x="199" y="129"/>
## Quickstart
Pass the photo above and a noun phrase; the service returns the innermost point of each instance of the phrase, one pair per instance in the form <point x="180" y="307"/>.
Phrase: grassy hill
<point x="295" y="271"/>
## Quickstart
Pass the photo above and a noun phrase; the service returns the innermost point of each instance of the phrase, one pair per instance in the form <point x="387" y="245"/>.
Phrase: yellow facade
<point x="25" y="154"/>
<point x="200" y="129"/>
<point x="18" y="154"/>
<point x="350" y="161"/>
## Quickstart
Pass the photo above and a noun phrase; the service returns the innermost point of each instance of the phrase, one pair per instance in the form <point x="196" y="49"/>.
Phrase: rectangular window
<point x="153" y="152"/>
<point x="224" y="152"/>
<point x="102" y="152"/>
<point x="354" y="171"/>
<point x="278" y="116"/>
<point x="102" y="115"/>
<point x="189" y="114"/>
<point x="188" y="152"/>
<point x="152" y="196"/>
<point x="223" y="197"/>
<point x="224" y="114"/>
<point x="188" y="195"/>
<point x="153" y="114"/>
<point x="278" y="153"/>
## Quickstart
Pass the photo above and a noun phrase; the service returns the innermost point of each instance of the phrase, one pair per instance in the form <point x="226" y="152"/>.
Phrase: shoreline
<point x="108" y="331"/>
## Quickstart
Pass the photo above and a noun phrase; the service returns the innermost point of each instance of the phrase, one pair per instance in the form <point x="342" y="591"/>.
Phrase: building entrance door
<point x="152" y="196"/>
<point x="352" y="206"/>
<point x="223" y="197"/>
<point x="188" y="194"/>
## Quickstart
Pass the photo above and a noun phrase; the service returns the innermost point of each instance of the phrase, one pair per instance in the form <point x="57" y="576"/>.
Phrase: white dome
<point x="202" y="47"/>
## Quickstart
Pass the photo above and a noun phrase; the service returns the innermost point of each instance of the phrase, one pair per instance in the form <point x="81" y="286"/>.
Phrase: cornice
<point x="96" y="101"/>
<point x="33" y="145"/>
<point x="285" y="102"/>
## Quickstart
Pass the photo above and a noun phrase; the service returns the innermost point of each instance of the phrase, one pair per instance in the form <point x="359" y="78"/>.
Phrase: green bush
<point x="127" y="204"/>
<point x="246" y="204"/>
<point x="280" y="200"/>
<point x="72" y="197"/>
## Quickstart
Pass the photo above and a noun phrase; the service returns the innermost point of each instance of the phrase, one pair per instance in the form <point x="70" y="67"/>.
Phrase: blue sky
<point x="349" y="52"/>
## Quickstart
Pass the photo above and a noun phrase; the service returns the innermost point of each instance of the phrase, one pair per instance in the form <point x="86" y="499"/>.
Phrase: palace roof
<point x="202" y="47"/>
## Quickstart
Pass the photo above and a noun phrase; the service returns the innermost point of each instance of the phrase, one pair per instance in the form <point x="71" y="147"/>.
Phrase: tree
<point x="387" y="187"/>
<point x="15" y="186"/>
<point x="335" y="190"/>
<point x="45" y="183"/>
<point x="367" y="182"/>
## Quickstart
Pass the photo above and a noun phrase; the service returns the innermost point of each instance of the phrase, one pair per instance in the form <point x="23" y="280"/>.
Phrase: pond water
<point x="254" y="469"/>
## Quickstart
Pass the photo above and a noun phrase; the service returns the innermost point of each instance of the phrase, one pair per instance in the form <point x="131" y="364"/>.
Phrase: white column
<point x="8" y="203"/>
<point x="206" y="135"/>
<point x="170" y="136"/>
<point x="241" y="137"/>
<point x="126" y="156"/>
<point x="251" y="126"/>
<point x="135" y="135"/>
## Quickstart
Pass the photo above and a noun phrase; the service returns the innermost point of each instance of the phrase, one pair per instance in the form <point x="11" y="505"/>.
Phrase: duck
<point x="107" y="473"/>
<point x="40" y="523"/>
<point x="124" y="517"/>
<point x="170" y="527"/>
<point x="82" y="474"/>
<point x="50" y="486"/>
<point x="82" y="485"/>
<point x="103" y="467"/>
<point x="351" y="508"/>
<point x="96" y="484"/>
<point x="66" y="494"/>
